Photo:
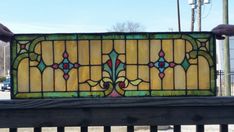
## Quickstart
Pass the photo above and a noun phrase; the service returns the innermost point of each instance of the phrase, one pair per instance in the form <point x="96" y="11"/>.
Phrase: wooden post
<point x="227" y="77"/>
<point x="192" y="19"/>
<point x="178" y="13"/>
<point x="199" y="14"/>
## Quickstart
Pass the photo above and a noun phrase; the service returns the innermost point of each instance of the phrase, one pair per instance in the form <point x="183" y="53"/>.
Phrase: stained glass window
<point x="113" y="65"/>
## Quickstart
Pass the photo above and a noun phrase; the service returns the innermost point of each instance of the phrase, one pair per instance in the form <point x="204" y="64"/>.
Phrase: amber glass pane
<point x="188" y="46"/>
<point x="38" y="49"/>
<point x="131" y="51"/>
<point x="179" y="78"/>
<point x="179" y="51"/>
<point x="167" y="47"/>
<point x="23" y="78"/>
<point x="143" y="49"/>
<point x="204" y="76"/>
<point x="71" y="48"/>
<point x="131" y="72"/>
<point x="107" y="46"/>
<point x="119" y="46"/>
<point x="155" y="79"/>
<point x="47" y="55"/>
<point x="192" y="77"/>
<point x="35" y="79"/>
<point x="72" y="84"/>
<point x="59" y="48"/>
<point x="48" y="80"/>
<point x="95" y="52"/>
<point x="83" y="52"/>
<point x="60" y="83"/>
<point x="96" y="73"/>
<point x="155" y="47"/>
<point x="84" y="73"/>
<point x="144" y="75"/>
<point x="168" y="79"/>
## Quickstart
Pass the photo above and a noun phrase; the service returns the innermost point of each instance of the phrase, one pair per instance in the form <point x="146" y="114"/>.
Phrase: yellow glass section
<point x="33" y="63"/>
<point x="95" y="52"/>
<point x="107" y="46"/>
<point x="179" y="78"/>
<point x="59" y="48"/>
<point x="131" y="72"/>
<point x="23" y="78"/>
<point x="35" y="79"/>
<point x="60" y="83"/>
<point x="188" y="46"/>
<point x="71" y="47"/>
<point x="83" y="50"/>
<point x="72" y="82"/>
<point x="168" y="79"/>
<point x="84" y="73"/>
<point x="155" y="47"/>
<point x="131" y="52"/>
<point x="154" y="79"/>
<point x="144" y="75"/>
<point x="143" y="49"/>
<point x="96" y="73"/>
<point x="84" y="87"/>
<point x="192" y="77"/>
<point x="204" y="76"/>
<point x="179" y="50"/>
<point x="119" y="46"/>
<point x="38" y="49"/>
<point x="167" y="47"/>
<point x="48" y="80"/>
<point x="47" y="55"/>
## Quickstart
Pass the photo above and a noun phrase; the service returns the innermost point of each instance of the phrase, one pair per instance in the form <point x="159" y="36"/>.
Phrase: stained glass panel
<point x="113" y="65"/>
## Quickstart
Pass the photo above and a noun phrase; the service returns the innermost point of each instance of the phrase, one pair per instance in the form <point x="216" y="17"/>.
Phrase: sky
<point x="58" y="16"/>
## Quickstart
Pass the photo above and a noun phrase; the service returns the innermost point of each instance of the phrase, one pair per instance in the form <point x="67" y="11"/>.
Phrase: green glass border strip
<point x="103" y="36"/>
<point x="27" y="37"/>
<point x="200" y="93"/>
<point x="61" y="37"/>
<point x="168" y="93"/>
<point x="136" y="93"/>
<point x="91" y="94"/>
<point x="59" y="94"/>
<point x="28" y="95"/>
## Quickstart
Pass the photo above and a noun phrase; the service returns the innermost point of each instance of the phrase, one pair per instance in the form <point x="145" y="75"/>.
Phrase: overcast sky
<point x="38" y="16"/>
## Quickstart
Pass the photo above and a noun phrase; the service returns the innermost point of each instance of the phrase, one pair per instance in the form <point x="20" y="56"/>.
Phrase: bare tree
<point x="127" y="27"/>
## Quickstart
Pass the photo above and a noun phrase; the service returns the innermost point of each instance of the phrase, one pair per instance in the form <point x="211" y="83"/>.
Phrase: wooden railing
<point x="107" y="112"/>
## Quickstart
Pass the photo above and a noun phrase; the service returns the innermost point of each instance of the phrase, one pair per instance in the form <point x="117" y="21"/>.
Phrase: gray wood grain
<point x="117" y="111"/>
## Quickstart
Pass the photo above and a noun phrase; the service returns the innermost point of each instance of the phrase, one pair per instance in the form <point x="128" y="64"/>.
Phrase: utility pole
<point x="227" y="79"/>
<point x="196" y="5"/>
<point x="178" y="13"/>
<point x="199" y="14"/>
<point x="192" y="19"/>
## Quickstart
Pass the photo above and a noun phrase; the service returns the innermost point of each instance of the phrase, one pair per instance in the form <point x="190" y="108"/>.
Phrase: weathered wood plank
<point x="87" y="113"/>
<point x="116" y="102"/>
